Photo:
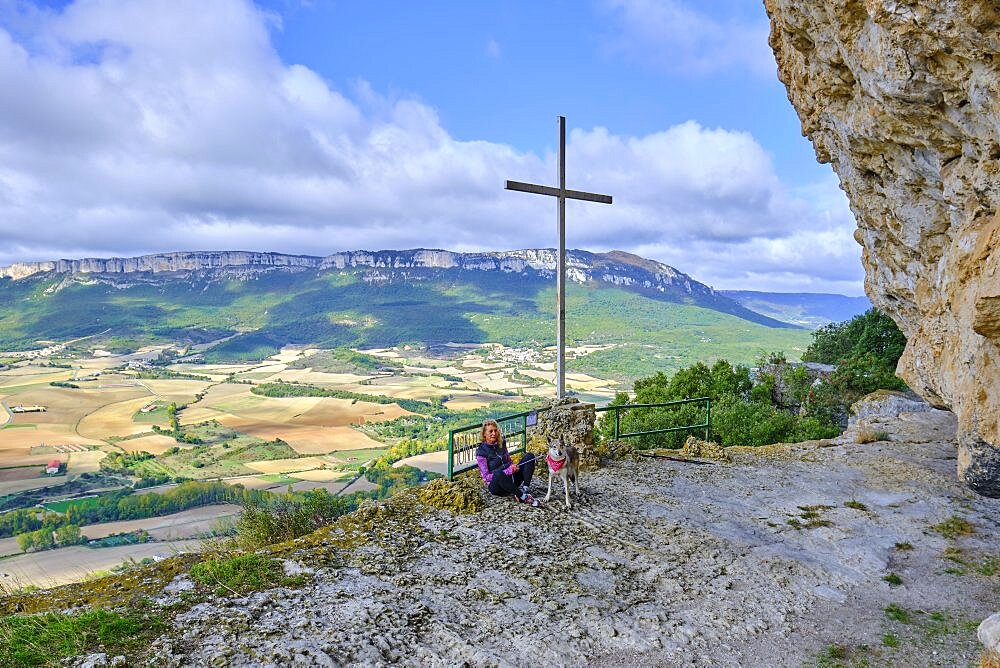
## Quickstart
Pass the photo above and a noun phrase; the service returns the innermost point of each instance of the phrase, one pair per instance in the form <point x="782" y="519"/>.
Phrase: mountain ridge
<point x="808" y="309"/>
<point x="615" y="268"/>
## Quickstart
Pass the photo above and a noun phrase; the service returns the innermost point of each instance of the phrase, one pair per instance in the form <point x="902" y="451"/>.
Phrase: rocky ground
<point x="825" y="553"/>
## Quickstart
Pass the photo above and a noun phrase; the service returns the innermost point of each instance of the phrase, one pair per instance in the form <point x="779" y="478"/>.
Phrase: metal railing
<point x="706" y="425"/>
<point x="463" y="441"/>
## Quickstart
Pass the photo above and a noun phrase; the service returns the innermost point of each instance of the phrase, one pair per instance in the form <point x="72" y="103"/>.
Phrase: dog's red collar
<point x="555" y="464"/>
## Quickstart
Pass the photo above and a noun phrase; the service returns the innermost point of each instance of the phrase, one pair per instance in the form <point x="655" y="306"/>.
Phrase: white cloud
<point x="493" y="49"/>
<point x="674" y="36"/>
<point x="158" y="126"/>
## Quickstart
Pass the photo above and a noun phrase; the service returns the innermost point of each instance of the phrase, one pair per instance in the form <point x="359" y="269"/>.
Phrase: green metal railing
<point x="463" y="441"/>
<point x="706" y="425"/>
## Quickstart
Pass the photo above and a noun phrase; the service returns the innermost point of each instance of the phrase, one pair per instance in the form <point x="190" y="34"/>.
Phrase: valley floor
<point x="823" y="553"/>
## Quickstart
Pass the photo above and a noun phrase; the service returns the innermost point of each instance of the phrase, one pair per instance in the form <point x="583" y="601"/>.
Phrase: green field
<point x="278" y="478"/>
<point x="156" y="416"/>
<point x="63" y="506"/>
<point x="357" y="458"/>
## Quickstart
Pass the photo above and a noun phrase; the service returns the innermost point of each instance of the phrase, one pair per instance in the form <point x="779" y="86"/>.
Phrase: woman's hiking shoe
<point x="528" y="499"/>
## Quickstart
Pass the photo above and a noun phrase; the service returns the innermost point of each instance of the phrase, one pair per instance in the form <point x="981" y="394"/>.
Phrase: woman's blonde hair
<point x="482" y="432"/>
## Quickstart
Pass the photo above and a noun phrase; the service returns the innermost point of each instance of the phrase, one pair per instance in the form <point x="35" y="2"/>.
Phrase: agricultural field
<point x="185" y="524"/>
<point x="223" y="430"/>
<point x="52" y="568"/>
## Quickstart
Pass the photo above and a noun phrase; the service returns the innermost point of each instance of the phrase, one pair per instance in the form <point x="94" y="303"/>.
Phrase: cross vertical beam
<point x="561" y="194"/>
<point x="561" y="274"/>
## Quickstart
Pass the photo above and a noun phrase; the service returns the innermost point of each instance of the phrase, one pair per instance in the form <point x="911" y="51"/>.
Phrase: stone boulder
<point x="903" y="99"/>
<point x="573" y="421"/>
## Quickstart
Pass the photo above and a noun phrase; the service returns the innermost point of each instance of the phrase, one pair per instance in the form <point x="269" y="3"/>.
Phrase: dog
<point x="564" y="462"/>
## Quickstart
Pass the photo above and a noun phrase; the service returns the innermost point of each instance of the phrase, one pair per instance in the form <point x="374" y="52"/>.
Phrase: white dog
<point x="564" y="462"/>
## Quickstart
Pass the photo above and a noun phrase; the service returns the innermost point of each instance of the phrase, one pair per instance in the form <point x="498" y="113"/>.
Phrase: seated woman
<point x="502" y="476"/>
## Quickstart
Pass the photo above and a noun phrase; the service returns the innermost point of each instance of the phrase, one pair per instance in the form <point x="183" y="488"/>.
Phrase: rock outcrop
<point x="616" y="267"/>
<point x="903" y="99"/>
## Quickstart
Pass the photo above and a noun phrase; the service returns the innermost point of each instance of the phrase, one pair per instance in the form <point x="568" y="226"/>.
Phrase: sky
<point x="130" y="127"/>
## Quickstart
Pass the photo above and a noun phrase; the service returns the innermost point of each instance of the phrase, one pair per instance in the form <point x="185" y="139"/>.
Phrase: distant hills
<point x="806" y="309"/>
<point x="652" y="316"/>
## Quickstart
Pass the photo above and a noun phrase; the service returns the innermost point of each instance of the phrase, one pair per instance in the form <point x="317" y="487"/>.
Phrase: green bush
<point x="739" y="422"/>
<point x="288" y="516"/>
<point x="743" y="413"/>
<point x="871" y="332"/>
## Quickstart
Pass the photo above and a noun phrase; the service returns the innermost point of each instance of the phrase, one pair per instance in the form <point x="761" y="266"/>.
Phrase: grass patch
<point x="843" y="656"/>
<point x="19" y="425"/>
<point x="811" y="516"/>
<point x="903" y="547"/>
<point x="988" y="567"/>
<point x="242" y="574"/>
<point x="890" y="640"/>
<point x="868" y="435"/>
<point x="63" y="506"/>
<point x="954" y="526"/>
<point x="899" y="614"/>
<point x="38" y="640"/>
<point x="833" y="653"/>
<point x="943" y="624"/>
<point x="893" y="579"/>
<point x="856" y="505"/>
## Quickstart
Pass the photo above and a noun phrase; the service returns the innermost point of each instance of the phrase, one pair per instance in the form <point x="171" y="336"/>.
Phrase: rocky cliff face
<point x="581" y="266"/>
<point x="903" y="99"/>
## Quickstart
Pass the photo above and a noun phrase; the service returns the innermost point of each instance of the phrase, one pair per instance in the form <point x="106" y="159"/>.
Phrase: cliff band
<point x="903" y="99"/>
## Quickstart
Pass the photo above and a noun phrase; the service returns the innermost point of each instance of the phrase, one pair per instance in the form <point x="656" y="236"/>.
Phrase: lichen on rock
<point x="571" y="420"/>
<point x="903" y="99"/>
<point x="464" y="494"/>
<point x="694" y="447"/>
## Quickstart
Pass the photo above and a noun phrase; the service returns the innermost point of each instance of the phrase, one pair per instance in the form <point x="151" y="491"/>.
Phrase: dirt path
<point x="785" y="557"/>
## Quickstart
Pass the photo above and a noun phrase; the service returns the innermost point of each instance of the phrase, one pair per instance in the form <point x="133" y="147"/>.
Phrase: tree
<point x="871" y="332"/>
<point x="69" y="535"/>
<point x="26" y="541"/>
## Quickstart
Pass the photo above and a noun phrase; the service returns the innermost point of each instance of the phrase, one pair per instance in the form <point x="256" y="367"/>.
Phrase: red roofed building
<point x="53" y="467"/>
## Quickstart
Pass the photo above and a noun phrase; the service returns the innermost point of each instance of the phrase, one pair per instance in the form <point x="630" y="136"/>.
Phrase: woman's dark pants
<point x="505" y="485"/>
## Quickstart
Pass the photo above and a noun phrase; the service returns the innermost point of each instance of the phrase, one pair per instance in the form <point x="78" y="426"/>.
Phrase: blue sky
<point x="143" y="126"/>
<point x="502" y="70"/>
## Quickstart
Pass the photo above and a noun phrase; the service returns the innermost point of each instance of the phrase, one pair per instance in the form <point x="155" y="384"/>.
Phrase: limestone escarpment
<point x="903" y="98"/>
<point x="616" y="267"/>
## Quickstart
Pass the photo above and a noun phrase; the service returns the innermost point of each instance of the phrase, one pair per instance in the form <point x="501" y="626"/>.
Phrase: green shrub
<point x="288" y="516"/>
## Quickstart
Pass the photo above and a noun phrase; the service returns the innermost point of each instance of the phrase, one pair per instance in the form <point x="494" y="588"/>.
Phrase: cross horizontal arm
<point x="554" y="192"/>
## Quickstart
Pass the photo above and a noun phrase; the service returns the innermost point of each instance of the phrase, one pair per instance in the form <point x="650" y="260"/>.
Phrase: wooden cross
<point x="562" y="195"/>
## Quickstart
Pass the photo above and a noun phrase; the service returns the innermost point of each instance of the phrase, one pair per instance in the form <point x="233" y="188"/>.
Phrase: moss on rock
<point x="462" y="495"/>
<point x="694" y="447"/>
